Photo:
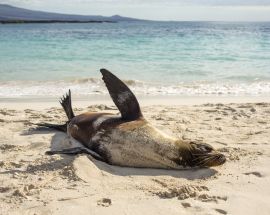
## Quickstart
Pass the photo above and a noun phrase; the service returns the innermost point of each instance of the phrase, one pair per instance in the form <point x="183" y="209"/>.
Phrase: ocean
<point x="153" y="58"/>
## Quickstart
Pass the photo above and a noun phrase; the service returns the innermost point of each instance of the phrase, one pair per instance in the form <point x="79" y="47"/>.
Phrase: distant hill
<point x="11" y="14"/>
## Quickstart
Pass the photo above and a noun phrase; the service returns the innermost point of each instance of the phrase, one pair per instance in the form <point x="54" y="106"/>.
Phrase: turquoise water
<point x="174" y="58"/>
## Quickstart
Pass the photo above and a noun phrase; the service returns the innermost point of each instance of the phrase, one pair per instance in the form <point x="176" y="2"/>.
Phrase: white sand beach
<point x="34" y="183"/>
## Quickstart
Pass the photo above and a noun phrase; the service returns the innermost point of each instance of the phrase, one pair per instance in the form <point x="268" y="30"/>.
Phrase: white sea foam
<point x="22" y="89"/>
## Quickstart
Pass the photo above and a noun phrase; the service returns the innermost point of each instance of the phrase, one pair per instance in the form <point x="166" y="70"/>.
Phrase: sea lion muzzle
<point x="204" y="155"/>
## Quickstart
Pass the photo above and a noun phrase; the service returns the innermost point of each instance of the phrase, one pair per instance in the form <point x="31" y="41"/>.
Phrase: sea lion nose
<point x="222" y="159"/>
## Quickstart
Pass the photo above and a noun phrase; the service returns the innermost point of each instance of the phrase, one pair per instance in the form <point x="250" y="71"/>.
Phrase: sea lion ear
<point x="122" y="96"/>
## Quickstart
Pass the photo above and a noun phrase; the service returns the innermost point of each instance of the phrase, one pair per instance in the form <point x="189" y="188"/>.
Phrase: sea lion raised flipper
<point x="122" y="96"/>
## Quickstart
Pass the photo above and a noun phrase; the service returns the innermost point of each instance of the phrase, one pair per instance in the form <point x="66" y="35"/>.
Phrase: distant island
<point x="50" y="21"/>
<point x="15" y="15"/>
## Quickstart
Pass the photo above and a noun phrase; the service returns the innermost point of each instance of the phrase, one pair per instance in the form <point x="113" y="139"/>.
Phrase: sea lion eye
<point x="207" y="147"/>
<point x="202" y="147"/>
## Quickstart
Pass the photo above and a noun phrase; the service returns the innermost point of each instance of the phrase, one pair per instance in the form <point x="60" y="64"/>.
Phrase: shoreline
<point x="47" y="102"/>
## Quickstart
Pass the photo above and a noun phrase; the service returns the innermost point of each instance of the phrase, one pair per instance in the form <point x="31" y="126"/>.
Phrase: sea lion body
<point x="134" y="143"/>
<point x="137" y="144"/>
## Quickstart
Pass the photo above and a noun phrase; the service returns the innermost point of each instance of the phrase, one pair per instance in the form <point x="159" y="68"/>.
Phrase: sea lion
<point x="130" y="140"/>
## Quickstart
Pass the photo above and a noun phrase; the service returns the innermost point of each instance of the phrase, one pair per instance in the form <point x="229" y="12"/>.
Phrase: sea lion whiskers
<point x="198" y="160"/>
<point x="205" y="160"/>
<point x="210" y="159"/>
<point x="214" y="161"/>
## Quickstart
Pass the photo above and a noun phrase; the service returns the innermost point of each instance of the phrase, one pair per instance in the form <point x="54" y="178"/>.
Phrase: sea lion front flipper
<point x="75" y="151"/>
<point x="122" y="96"/>
<point x="61" y="127"/>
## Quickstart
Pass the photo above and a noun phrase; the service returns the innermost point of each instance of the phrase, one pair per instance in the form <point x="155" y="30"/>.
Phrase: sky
<point x="178" y="10"/>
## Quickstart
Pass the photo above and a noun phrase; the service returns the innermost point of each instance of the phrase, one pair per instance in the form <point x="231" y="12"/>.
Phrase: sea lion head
<point x="204" y="155"/>
<point x="195" y="154"/>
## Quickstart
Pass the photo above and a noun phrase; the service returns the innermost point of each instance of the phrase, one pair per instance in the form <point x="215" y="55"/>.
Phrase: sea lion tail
<point x="54" y="126"/>
<point x="65" y="101"/>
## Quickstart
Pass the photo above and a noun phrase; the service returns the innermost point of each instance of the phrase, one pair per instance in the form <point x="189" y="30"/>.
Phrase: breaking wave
<point x="93" y="86"/>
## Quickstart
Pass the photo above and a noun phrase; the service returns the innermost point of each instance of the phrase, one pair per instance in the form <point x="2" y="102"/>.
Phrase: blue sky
<point x="213" y="10"/>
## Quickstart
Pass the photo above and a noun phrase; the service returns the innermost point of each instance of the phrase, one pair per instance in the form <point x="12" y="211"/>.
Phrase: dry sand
<point x="34" y="183"/>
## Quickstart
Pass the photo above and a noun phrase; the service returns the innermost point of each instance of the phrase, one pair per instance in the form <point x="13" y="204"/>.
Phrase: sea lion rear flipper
<point x="122" y="96"/>
<point x="65" y="101"/>
<point x="66" y="104"/>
